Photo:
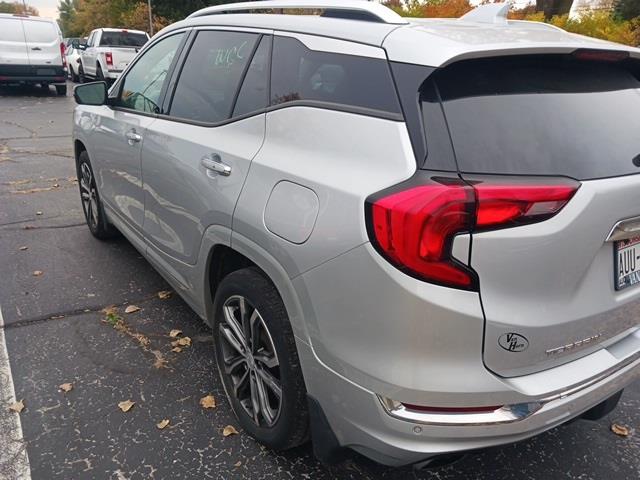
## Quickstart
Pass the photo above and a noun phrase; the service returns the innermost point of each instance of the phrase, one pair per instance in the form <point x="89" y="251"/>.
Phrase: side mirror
<point x="75" y="43"/>
<point x="94" y="93"/>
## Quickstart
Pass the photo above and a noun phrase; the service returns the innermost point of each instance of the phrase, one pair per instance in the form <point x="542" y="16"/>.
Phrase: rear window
<point x="122" y="39"/>
<point x="39" y="32"/>
<point x="11" y="30"/>
<point x="551" y="115"/>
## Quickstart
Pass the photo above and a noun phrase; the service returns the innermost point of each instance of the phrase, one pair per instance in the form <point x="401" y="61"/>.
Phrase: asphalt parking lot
<point x="56" y="332"/>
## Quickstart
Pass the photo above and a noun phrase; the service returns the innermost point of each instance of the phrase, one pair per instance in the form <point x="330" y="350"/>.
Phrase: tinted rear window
<point x="543" y="116"/>
<point x="122" y="39"/>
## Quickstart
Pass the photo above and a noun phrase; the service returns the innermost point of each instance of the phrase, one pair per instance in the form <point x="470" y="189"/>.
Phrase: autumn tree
<point x="18" y="7"/>
<point x="627" y="9"/>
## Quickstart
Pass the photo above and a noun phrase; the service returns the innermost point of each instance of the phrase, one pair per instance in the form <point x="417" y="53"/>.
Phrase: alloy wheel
<point x="89" y="196"/>
<point x="251" y="362"/>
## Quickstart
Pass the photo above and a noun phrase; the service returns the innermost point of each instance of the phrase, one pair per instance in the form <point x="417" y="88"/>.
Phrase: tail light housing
<point x="108" y="57"/>
<point x="63" y="52"/>
<point x="413" y="225"/>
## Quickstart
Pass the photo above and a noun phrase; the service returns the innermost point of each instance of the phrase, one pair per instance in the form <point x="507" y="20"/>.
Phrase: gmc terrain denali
<point x="411" y="237"/>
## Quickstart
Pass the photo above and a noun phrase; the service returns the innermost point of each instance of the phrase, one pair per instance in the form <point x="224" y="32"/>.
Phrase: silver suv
<point x="410" y="237"/>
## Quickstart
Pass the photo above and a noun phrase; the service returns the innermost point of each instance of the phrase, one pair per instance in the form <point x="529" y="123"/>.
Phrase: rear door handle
<point x="133" y="137"/>
<point x="36" y="48"/>
<point x="214" y="163"/>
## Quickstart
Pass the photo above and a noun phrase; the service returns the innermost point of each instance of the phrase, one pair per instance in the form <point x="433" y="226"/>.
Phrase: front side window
<point x="211" y="75"/>
<point x="142" y="86"/>
<point x="301" y="74"/>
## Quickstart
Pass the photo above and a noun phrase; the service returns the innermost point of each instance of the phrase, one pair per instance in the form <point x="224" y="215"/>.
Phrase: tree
<point x="67" y="15"/>
<point x="627" y="9"/>
<point x="18" y="7"/>
<point x="553" y="7"/>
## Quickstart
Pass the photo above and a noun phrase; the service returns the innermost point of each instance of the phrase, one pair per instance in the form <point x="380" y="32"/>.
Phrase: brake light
<point x="62" y="54"/>
<point x="109" y="59"/>
<point x="414" y="227"/>
<point x="600" y="55"/>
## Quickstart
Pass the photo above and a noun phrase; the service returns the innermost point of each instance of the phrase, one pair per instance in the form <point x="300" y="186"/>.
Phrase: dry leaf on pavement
<point x="184" y="341"/>
<point x="131" y="309"/>
<point x="620" y="430"/>
<point x="38" y="213"/>
<point x="174" y="333"/>
<point x="17" y="406"/>
<point x="237" y="464"/>
<point x="162" y="424"/>
<point x="126" y="405"/>
<point x="208" y="402"/>
<point x="37" y="273"/>
<point x="164" y="294"/>
<point x="176" y="349"/>
<point x="66" y="387"/>
<point x="229" y="430"/>
<point x="23" y="248"/>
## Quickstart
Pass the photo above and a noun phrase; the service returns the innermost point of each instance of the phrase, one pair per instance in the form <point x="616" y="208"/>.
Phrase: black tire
<point x="61" y="90"/>
<point x="99" y="73"/>
<point x="74" y="76"/>
<point x="291" y="425"/>
<point x="81" y="77"/>
<point x="90" y="199"/>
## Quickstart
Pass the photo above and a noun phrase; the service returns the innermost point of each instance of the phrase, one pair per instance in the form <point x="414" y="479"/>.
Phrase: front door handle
<point x="133" y="137"/>
<point x="214" y="163"/>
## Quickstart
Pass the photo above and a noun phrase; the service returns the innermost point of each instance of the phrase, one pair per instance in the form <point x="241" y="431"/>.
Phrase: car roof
<point x="484" y="31"/>
<point x="27" y="17"/>
<point x="128" y="30"/>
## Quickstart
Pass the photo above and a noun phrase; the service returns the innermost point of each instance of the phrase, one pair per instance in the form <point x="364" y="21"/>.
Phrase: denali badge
<point x="571" y="346"/>
<point x="513" y="342"/>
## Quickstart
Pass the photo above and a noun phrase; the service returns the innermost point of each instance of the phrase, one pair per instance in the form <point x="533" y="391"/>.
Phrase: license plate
<point x="45" y="71"/>
<point x="627" y="263"/>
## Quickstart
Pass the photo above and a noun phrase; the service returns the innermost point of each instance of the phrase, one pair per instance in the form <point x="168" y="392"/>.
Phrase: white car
<point x="108" y="52"/>
<point x="73" y="60"/>
<point x="32" y="52"/>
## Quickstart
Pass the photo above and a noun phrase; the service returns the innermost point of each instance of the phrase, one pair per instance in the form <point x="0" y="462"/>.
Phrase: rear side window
<point x="11" y="30"/>
<point x="552" y="115"/>
<point x="122" y="39"/>
<point x="254" y="94"/>
<point x="301" y="74"/>
<point x="211" y="75"/>
<point x="39" y="32"/>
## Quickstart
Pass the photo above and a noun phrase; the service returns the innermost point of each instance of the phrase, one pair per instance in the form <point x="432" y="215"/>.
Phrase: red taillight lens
<point x="109" y="58"/>
<point x="600" y="55"/>
<point x="62" y="54"/>
<point x="508" y="205"/>
<point x="414" y="227"/>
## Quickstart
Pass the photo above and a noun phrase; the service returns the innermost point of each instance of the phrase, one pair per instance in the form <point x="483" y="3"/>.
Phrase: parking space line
<point x="14" y="460"/>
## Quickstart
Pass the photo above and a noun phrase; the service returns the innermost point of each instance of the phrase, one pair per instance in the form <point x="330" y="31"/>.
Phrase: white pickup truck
<point x="107" y="53"/>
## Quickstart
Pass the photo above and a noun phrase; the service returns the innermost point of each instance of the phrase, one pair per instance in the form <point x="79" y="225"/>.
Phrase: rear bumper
<point x="361" y="422"/>
<point x="32" y="74"/>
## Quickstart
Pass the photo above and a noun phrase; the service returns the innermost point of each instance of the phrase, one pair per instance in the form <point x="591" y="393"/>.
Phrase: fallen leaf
<point x="174" y="333"/>
<point x="56" y="185"/>
<point x="620" y="430"/>
<point x="17" y="406"/>
<point x="66" y="387"/>
<point x="29" y="227"/>
<point x="229" y="430"/>
<point x="110" y="310"/>
<point x="184" y="341"/>
<point x="160" y="361"/>
<point x="164" y="294"/>
<point x="176" y="349"/>
<point x="162" y="424"/>
<point x="38" y="213"/>
<point x="237" y="464"/>
<point x="131" y="309"/>
<point x="37" y="273"/>
<point x="208" y="402"/>
<point x="126" y="405"/>
<point x="23" y="248"/>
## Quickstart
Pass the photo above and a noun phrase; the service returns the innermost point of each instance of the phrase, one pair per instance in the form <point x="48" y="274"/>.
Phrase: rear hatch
<point x="557" y="289"/>
<point x="121" y="47"/>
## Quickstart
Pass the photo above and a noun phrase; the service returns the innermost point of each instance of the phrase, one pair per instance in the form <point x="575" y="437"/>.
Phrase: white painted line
<point x="14" y="460"/>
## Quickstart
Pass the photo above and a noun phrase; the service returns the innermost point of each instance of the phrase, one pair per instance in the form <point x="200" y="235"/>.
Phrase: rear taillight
<point x="109" y="59"/>
<point x="62" y="54"/>
<point x="600" y="55"/>
<point x="414" y="224"/>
